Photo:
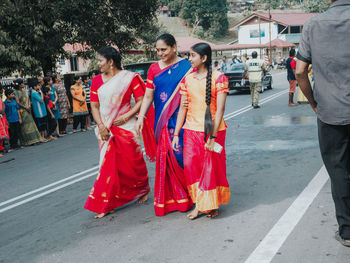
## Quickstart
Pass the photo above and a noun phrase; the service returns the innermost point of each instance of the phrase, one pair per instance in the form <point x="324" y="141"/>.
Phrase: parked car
<point x="141" y="68"/>
<point x="236" y="81"/>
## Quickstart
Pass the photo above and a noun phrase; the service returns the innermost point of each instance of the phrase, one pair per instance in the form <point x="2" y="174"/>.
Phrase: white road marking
<point x="47" y="186"/>
<point x="226" y="117"/>
<point x="46" y="192"/>
<point x="272" y="242"/>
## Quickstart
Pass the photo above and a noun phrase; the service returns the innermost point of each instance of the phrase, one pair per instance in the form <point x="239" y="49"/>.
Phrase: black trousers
<point x="62" y="124"/>
<point x="14" y="131"/>
<point x="51" y="125"/>
<point x="335" y="150"/>
<point x="79" y="119"/>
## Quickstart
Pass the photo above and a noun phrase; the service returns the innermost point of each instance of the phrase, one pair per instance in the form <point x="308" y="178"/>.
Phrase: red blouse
<point x="153" y="70"/>
<point x="137" y="87"/>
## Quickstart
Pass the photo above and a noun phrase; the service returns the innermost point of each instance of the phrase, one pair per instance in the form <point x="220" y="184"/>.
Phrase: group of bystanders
<point x="40" y="112"/>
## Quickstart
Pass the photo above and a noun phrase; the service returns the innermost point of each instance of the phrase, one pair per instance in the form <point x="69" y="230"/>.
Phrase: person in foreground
<point x="163" y="87"/>
<point x="325" y="43"/>
<point x="205" y="170"/>
<point x="123" y="175"/>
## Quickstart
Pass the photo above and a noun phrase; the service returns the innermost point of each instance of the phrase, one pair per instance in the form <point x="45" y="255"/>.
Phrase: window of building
<point x="74" y="63"/>
<point x="61" y="61"/>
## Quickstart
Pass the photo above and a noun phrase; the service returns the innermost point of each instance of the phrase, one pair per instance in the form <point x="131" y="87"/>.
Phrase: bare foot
<point x="1" y="155"/>
<point x="143" y="199"/>
<point x="194" y="214"/>
<point x="104" y="214"/>
<point x="292" y="104"/>
<point x="213" y="213"/>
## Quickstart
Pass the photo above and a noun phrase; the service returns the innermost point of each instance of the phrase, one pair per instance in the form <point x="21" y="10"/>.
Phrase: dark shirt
<point x="326" y="43"/>
<point x="11" y="110"/>
<point x="290" y="65"/>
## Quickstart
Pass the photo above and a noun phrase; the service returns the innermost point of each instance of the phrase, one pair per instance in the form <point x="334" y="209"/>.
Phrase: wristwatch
<point x="212" y="137"/>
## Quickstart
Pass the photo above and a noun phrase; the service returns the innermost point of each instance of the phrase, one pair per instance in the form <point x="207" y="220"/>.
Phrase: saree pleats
<point x="29" y="133"/>
<point x="205" y="172"/>
<point x="170" y="186"/>
<point x="123" y="175"/>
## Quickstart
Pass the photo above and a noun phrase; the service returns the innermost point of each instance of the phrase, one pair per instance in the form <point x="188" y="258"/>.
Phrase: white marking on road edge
<point x="46" y="193"/>
<point x="272" y="242"/>
<point x="47" y="186"/>
<point x="248" y="108"/>
<point x="228" y="116"/>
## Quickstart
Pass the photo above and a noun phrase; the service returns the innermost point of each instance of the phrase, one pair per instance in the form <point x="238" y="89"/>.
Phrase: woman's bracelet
<point x="142" y="116"/>
<point x="99" y="124"/>
<point x="176" y="135"/>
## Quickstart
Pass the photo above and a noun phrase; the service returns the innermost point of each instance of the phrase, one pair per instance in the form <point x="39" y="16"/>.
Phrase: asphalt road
<point x="275" y="214"/>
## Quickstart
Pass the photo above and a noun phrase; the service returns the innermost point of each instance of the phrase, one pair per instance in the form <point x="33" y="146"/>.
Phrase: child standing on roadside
<point x="52" y="124"/>
<point x="39" y="108"/>
<point x="13" y="118"/>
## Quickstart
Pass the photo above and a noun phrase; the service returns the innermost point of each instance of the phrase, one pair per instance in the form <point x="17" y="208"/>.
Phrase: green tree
<point x="33" y="33"/>
<point x="211" y="16"/>
<point x="316" y="6"/>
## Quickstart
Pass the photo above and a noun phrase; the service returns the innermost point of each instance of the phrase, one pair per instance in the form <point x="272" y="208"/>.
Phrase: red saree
<point x="4" y="134"/>
<point x="205" y="171"/>
<point x="123" y="175"/>
<point x="170" y="191"/>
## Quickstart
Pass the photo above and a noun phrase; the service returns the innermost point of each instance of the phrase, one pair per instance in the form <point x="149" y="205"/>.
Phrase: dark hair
<point x="76" y="78"/>
<point x="8" y="92"/>
<point x="17" y="83"/>
<point x="254" y="54"/>
<point x="216" y="62"/>
<point x="292" y="52"/>
<point x="203" y="49"/>
<point x="46" y="80"/>
<point x="168" y="39"/>
<point x="83" y="78"/>
<point x="46" y="90"/>
<point x="33" y="82"/>
<point x="54" y="78"/>
<point x="110" y="53"/>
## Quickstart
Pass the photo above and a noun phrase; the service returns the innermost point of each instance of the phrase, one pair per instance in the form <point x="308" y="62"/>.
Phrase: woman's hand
<point x="209" y="145"/>
<point x="104" y="132"/>
<point x="139" y="125"/>
<point x="120" y="120"/>
<point x="28" y="109"/>
<point x="82" y="102"/>
<point x="175" y="143"/>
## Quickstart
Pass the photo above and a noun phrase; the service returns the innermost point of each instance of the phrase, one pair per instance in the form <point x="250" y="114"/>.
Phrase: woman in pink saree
<point x="123" y="175"/>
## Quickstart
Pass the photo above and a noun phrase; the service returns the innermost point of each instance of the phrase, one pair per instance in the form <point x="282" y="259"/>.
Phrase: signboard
<point x="254" y="33"/>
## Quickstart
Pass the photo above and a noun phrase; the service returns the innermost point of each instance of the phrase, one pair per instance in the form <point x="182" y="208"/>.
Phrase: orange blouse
<point x="194" y="89"/>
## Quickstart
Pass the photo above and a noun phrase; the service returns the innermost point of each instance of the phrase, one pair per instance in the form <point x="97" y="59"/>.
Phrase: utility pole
<point x="270" y="54"/>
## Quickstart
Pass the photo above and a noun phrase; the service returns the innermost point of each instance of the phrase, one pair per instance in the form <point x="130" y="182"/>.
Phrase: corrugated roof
<point x="184" y="44"/>
<point x="286" y="19"/>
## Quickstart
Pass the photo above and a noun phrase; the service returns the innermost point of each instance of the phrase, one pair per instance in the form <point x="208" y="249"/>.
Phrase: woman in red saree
<point x="4" y="134"/>
<point x="205" y="94"/>
<point x="123" y="175"/>
<point x="163" y="88"/>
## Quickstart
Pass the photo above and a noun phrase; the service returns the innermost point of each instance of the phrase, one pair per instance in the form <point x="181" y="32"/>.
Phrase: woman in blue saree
<point x="163" y="82"/>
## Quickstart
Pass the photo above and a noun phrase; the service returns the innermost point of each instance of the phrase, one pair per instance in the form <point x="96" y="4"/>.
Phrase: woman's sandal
<point x="213" y="213"/>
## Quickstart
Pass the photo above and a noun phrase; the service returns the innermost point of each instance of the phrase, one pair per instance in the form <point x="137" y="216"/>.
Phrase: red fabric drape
<point x="170" y="193"/>
<point x="123" y="175"/>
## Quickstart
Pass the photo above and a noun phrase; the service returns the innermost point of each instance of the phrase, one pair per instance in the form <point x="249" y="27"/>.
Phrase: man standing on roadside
<point x="325" y="42"/>
<point x="223" y="65"/>
<point x="291" y="64"/>
<point x="255" y="68"/>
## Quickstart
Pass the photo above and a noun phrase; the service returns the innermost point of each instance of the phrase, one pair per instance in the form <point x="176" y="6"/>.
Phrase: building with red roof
<point x="259" y="28"/>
